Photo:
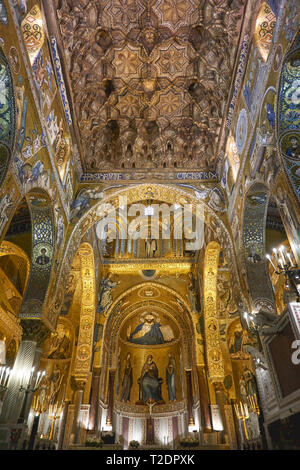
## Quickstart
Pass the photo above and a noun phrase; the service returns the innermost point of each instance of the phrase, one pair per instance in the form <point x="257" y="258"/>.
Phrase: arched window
<point x="264" y="29"/>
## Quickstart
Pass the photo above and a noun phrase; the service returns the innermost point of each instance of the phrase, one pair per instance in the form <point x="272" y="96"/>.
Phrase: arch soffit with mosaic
<point x="135" y="194"/>
<point x="10" y="249"/>
<point x="253" y="237"/>
<point x="116" y="316"/>
<point x="43" y="248"/>
<point x="42" y="192"/>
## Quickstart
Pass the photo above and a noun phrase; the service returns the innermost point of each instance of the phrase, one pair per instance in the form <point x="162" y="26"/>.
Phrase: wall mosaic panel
<point x="288" y="114"/>
<point x="42" y="256"/>
<point x="7" y="115"/>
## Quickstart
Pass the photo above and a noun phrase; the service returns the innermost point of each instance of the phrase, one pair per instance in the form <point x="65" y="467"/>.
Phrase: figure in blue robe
<point x="270" y="115"/>
<point x="150" y="383"/>
<point x="171" y="379"/>
<point x="147" y="333"/>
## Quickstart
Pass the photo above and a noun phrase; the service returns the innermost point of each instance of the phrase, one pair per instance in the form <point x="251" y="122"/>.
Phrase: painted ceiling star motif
<point x="172" y="61"/>
<point x="127" y="62"/>
<point x="124" y="14"/>
<point x="133" y="75"/>
<point x="129" y="105"/>
<point x="171" y="103"/>
<point x="174" y="13"/>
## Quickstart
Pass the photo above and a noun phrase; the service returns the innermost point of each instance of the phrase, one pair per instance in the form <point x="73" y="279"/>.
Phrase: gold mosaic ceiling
<point x="150" y="79"/>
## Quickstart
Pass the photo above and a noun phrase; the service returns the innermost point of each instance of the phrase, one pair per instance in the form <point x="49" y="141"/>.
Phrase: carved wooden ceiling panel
<point x="150" y="79"/>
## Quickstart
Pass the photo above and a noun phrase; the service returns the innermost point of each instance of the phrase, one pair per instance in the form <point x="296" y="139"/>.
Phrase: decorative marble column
<point x="63" y="425"/>
<point x="188" y="374"/>
<point x="17" y="402"/>
<point x="204" y="399"/>
<point x="34" y="429"/>
<point x="34" y="334"/>
<point x="36" y="364"/>
<point x="94" y="401"/>
<point x="75" y="433"/>
<point x="220" y="399"/>
<point x="110" y="398"/>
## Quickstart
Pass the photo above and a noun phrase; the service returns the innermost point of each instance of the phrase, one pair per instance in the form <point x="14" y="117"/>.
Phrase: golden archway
<point x="166" y="194"/>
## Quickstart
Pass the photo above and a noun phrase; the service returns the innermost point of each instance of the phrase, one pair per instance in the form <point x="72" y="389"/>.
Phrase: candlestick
<point x="281" y="249"/>
<point x="276" y="254"/>
<point x="2" y="369"/>
<point x="290" y="260"/>
<point x="269" y="258"/>
<point x="7" y="377"/>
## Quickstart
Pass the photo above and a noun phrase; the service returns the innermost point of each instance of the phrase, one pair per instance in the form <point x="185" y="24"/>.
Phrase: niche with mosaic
<point x="149" y="360"/>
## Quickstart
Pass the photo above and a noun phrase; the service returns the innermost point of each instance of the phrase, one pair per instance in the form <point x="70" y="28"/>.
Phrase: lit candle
<point x="290" y="260"/>
<point x="42" y="374"/>
<point x="246" y="318"/>
<point x="30" y="376"/>
<point x="7" y="377"/>
<point x="275" y="253"/>
<point x="37" y="380"/>
<point x="282" y="254"/>
<point x="269" y="258"/>
<point x="2" y="369"/>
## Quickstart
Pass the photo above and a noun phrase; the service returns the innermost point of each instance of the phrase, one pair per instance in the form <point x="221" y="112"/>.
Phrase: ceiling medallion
<point x="149" y="293"/>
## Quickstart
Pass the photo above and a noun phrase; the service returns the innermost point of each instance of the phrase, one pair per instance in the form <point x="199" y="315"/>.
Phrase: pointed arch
<point x="254" y="224"/>
<point x="137" y="193"/>
<point x="43" y="246"/>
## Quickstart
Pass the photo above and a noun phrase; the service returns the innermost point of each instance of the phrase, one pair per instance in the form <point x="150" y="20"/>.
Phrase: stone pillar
<point x="204" y="399"/>
<point x="63" y="425"/>
<point x="36" y="364"/>
<point x="94" y="401"/>
<point x="13" y="402"/>
<point x="75" y="433"/>
<point x="34" y="335"/>
<point x="220" y="399"/>
<point x="18" y="402"/>
<point x="110" y="398"/>
<point x="188" y="374"/>
<point x="34" y="430"/>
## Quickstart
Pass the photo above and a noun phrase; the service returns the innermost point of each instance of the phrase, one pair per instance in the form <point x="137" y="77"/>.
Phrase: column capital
<point x="219" y="386"/>
<point x="79" y="382"/>
<point x="35" y="330"/>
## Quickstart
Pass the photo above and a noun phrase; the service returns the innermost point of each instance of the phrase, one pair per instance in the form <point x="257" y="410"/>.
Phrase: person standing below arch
<point x="171" y="378"/>
<point x="127" y="380"/>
